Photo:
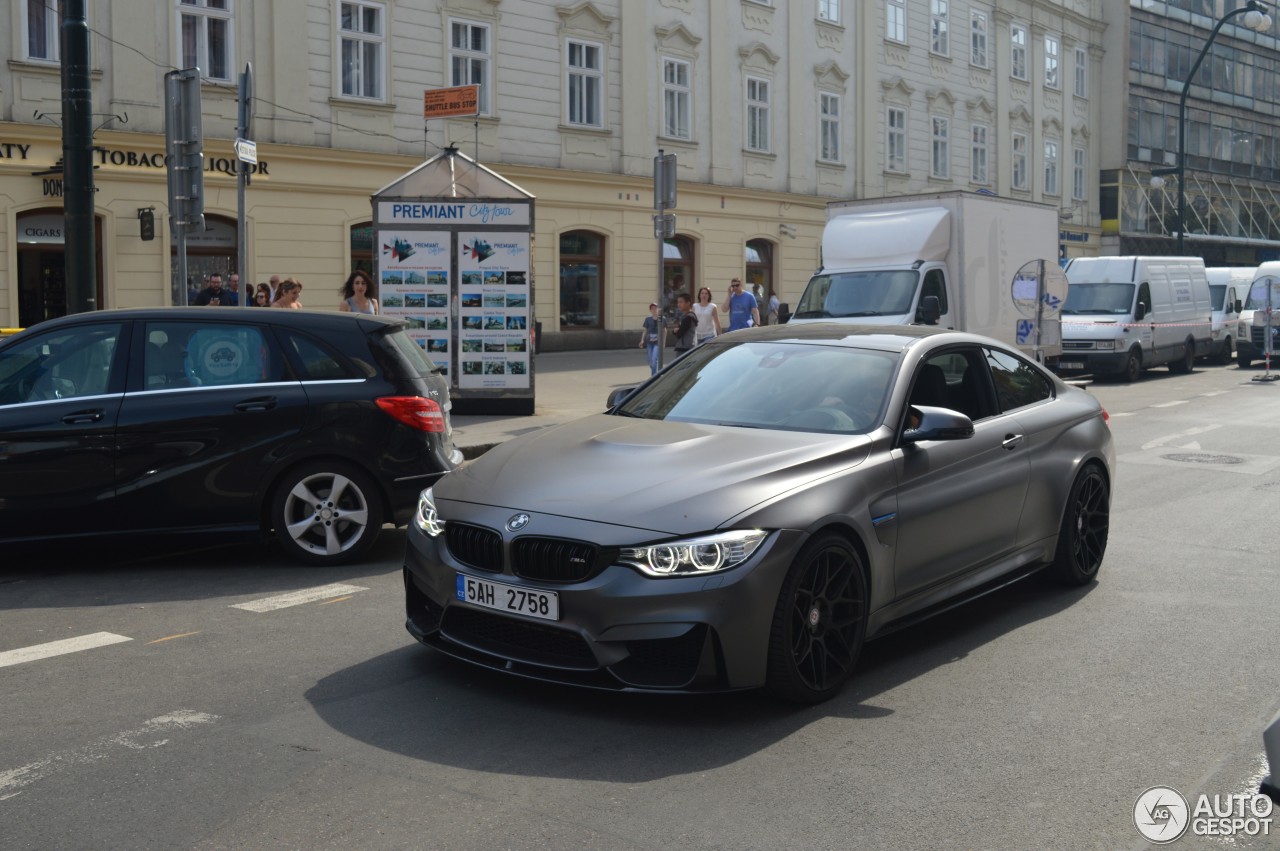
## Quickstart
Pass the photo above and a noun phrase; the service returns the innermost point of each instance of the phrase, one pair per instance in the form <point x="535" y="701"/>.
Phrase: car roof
<point x="311" y="319"/>
<point x="889" y="338"/>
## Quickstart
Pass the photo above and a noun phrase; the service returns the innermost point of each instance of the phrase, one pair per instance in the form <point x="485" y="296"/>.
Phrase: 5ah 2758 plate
<point x="508" y="598"/>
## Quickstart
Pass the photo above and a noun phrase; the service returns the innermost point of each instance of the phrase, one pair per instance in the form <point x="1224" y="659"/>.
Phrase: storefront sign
<point x="13" y="151"/>
<point x="41" y="228"/>
<point x="460" y="213"/>
<point x="143" y="159"/>
<point x="1072" y="236"/>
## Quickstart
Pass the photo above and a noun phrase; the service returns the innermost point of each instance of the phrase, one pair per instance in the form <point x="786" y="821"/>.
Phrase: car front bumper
<point x="1092" y="361"/>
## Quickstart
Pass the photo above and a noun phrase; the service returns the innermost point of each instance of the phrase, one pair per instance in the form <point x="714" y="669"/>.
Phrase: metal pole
<point x="242" y="180"/>
<point x="77" y="159"/>
<point x="180" y="230"/>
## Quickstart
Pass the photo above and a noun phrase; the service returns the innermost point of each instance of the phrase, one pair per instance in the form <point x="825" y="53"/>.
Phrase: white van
<point x="1251" y="333"/>
<point x="1228" y="285"/>
<point x="1126" y="314"/>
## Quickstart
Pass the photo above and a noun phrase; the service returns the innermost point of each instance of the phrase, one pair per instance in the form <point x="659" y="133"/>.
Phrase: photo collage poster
<point x="493" y="314"/>
<point x="415" y="287"/>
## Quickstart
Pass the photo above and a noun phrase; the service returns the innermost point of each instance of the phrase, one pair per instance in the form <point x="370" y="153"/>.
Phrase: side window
<point x="1144" y="295"/>
<point x="192" y="354"/>
<point x="1018" y="383"/>
<point x="935" y="285"/>
<point x="65" y="364"/>
<point x="317" y="361"/>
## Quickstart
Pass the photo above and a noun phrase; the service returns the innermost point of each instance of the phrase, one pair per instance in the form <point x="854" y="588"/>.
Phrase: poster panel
<point x="415" y="287"/>
<point x="493" y="310"/>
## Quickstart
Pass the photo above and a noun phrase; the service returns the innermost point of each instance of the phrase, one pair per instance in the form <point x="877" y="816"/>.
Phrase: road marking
<point x="1170" y="404"/>
<point x="1169" y="438"/>
<point x="1216" y="393"/>
<point x="172" y="637"/>
<point x="298" y="598"/>
<point x="338" y="600"/>
<point x="59" y="648"/>
<point x="152" y="734"/>
<point x="1121" y="414"/>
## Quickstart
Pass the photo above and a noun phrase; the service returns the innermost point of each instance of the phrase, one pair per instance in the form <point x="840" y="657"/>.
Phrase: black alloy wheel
<point x="1082" y="541"/>
<point x="326" y="512"/>
<point x="820" y="622"/>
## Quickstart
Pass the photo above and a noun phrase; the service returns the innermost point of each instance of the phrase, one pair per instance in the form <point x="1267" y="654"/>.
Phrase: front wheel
<point x="1132" y="370"/>
<point x="1082" y="541"/>
<point x="1224" y="355"/>
<point x="326" y="512"/>
<point x="820" y="622"/>
<point x="1243" y="360"/>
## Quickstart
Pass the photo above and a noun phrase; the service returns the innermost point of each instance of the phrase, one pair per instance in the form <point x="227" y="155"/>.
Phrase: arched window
<point x="677" y="271"/>
<point x="581" y="280"/>
<point x="759" y="279"/>
<point x="209" y="251"/>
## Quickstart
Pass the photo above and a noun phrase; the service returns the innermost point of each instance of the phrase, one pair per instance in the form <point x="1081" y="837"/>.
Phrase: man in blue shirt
<point x="741" y="307"/>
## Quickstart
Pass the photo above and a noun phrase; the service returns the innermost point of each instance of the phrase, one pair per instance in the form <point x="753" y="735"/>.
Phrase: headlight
<point x="426" y="517"/>
<point x="1105" y="345"/>
<point x="693" y="556"/>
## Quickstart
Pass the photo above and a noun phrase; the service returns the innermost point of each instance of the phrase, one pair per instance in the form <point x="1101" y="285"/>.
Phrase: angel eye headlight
<point x="693" y="556"/>
<point x="426" y="517"/>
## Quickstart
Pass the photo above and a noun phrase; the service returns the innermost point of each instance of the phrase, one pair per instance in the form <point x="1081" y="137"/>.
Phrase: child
<point x="649" y="337"/>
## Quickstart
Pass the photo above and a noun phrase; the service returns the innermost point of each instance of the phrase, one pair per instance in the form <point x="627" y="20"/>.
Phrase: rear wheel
<point x="1187" y="362"/>
<point x="1082" y="541"/>
<point x="326" y="512"/>
<point x="820" y="622"/>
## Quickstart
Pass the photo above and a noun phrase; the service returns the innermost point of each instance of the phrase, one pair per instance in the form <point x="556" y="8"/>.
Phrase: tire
<point x="1243" y="360"/>
<point x="1224" y="355"/>
<point x="1132" y="370"/>
<point x="820" y="622"/>
<point x="326" y="512"/>
<point x="1187" y="362"/>
<point x="1082" y="540"/>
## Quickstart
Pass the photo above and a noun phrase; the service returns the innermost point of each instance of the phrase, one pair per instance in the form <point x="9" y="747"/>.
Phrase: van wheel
<point x="1133" y="366"/>
<point x="326" y="512"/>
<point x="1243" y="360"/>
<point x="1224" y="356"/>
<point x="1187" y="362"/>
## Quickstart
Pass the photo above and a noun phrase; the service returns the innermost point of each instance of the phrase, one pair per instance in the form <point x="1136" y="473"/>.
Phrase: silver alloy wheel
<point x="326" y="513"/>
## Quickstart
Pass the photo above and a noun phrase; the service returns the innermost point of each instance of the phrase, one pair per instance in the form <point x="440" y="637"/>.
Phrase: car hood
<point x="666" y="477"/>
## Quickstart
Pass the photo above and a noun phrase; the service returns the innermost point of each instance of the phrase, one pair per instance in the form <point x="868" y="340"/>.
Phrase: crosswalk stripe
<point x="59" y="648"/>
<point x="298" y="598"/>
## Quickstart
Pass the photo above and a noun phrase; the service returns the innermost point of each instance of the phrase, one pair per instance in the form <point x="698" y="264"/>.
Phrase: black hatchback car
<point x="317" y="426"/>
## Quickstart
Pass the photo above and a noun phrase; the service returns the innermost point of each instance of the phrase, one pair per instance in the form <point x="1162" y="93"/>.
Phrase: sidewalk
<point x="567" y="385"/>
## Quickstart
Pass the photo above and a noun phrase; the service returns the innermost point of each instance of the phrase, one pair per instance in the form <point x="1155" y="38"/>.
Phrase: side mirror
<point x="929" y="310"/>
<point x="617" y="397"/>
<point x="1140" y="312"/>
<point x="937" y="424"/>
<point x="1237" y="306"/>
<point x="784" y="313"/>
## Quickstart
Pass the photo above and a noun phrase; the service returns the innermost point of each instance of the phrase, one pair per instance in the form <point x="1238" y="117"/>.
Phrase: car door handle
<point x="1012" y="441"/>
<point x="82" y="417"/>
<point x="262" y="403"/>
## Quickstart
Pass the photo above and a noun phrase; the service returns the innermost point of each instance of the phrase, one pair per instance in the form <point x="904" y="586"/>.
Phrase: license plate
<point x="1070" y="364"/>
<point x="508" y="598"/>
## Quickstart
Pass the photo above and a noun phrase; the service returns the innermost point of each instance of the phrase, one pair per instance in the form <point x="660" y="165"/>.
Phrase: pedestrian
<point x="649" y="337"/>
<point x="213" y="293"/>
<point x="686" y="324"/>
<point x="261" y="296"/>
<point x="231" y="293"/>
<point x="708" y="314"/>
<point x="288" y="293"/>
<point x="274" y="283"/>
<point x="774" y="305"/>
<point x="741" y="306"/>
<point x="358" y="295"/>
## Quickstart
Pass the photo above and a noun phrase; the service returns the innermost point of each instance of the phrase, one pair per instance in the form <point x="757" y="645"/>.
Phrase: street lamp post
<point x="1256" y="18"/>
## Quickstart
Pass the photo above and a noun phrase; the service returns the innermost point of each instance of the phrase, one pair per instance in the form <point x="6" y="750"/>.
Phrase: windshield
<point x="831" y="389"/>
<point x="841" y="294"/>
<point x="1257" y="299"/>
<point x="1100" y="299"/>
<point x="1217" y="293"/>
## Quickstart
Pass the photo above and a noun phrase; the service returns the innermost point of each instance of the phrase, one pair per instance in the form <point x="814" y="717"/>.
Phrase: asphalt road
<point x="206" y="712"/>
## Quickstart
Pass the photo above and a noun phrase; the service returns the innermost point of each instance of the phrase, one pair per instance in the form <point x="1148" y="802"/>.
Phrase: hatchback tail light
<point x="1106" y="418"/>
<point x="414" y="411"/>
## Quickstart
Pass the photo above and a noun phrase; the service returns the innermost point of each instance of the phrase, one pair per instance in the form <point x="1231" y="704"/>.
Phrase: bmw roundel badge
<point x="517" y="522"/>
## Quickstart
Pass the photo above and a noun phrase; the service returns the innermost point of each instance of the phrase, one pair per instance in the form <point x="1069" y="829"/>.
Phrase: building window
<point x="675" y="99"/>
<point x="757" y="114"/>
<point x="362" y="45"/>
<point x="978" y="154"/>
<point x="1051" y="168"/>
<point x="581" y="280"/>
<point x="205" y="37"/>
<point x="1018" y="51"/>
<point x="1019" y="161"/>
<point x="829" y="10"/>
<point x="940" y="21"/>
<point x="895" y="28"/>
<point x="1082" y="72"/>
<point x="895" y="139"/>
<point x="469" y="56"/>
<point x="1051" y="49"/>
<point x="829" y="127"/>
<point x="40" y="26"/>
<point x="941" y="147"/>
<point x="978" y="39"/>
<point x="585" y="74"/>
<point x="1079" y="170"/>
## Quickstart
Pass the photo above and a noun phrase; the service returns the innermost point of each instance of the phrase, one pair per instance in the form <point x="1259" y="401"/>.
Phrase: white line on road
<point x="1216" y="393"/>
<point x="1121" y="414"/>
<point x="1169" y="438"/>
<point x="298" y="598"/>
<point x="58" y="648"/>
<point x="152" y="734"/>
<point x="1170" y="404"/>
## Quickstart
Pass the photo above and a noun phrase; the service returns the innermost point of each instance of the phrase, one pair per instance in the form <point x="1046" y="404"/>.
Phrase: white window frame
<point x="758" y="93"/>
<point x="1052" y="62"/>
<point x="1079" y="173"/>
<point x="470" y="57"/>
<point x="677" y="99"/>
<point x="940" y="27"/>
<point x="1018" y="171"/>
<point x="1052" y="155"/>
<point x="1082" y="72"/>
<point x="895" y="20"/>
<point x="1018" y="51"/>
<point x="940" y="147"/>
<point x="50" y="37"/>
<point x="895" y="139"/>
<point x="829" y="143"/>
<point x="363" y="41"/>
<point x="979" y="29"/>
<point x="203" y="15"/>
<point x="829" y="11"/>
<point x="979" y="154"/>
<point x="583" y="84"/>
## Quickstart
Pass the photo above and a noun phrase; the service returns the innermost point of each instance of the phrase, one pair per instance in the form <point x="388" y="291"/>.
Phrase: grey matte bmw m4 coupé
<point x="756" y="511"/>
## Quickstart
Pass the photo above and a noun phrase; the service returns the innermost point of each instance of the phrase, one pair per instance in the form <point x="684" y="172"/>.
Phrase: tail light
<point x="414" y="411"/>
<point x="1106" y="418"/>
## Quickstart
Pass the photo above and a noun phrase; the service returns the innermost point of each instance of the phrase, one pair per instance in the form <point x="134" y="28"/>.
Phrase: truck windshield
<point x="1101" y="299"/>
<point x="873" y="293"/>
<point x="1257" y="299"/>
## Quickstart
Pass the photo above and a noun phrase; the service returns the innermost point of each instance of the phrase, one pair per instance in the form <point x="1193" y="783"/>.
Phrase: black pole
<point x="77" y="160"/>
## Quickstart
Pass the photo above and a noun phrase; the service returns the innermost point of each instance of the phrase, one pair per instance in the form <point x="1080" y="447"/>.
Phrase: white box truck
<point x="883" y="258"/>
<point x="1125" y="314"/>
